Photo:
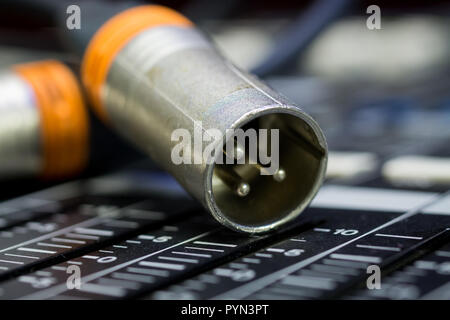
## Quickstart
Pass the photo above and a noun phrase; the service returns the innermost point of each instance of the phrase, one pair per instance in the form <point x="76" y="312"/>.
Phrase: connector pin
<point x="233" y="181"/>
<point x="279" y="175"/>
<point x="243" y="189"/>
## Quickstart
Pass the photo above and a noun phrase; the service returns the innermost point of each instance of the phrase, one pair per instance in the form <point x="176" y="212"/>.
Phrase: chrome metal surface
<point x="20" y="149"/>
<point x="171" y="77"/>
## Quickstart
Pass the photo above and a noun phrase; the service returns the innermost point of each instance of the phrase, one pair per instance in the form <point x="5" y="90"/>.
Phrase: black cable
<point x="93" y="15"/>
<point x="198" y="10"/>
<point x="306" y="27"/>
<point x="44" y="8"/>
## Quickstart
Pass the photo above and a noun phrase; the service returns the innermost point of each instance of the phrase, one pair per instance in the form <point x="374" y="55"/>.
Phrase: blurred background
<point x="381" y="95"/>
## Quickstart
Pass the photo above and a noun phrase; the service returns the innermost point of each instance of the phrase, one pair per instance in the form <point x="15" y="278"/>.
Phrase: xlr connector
<point x="157" y="79"/>
<point x="43" y="122"/>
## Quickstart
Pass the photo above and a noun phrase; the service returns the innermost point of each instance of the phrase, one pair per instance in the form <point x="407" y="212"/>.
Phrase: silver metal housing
<point x="20" y="139"/>
<point x="171" y="77"/>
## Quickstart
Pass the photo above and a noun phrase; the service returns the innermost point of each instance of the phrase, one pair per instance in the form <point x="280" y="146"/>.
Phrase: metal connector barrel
<point x="43" y="122"/>
<point x="149" y="72"/>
